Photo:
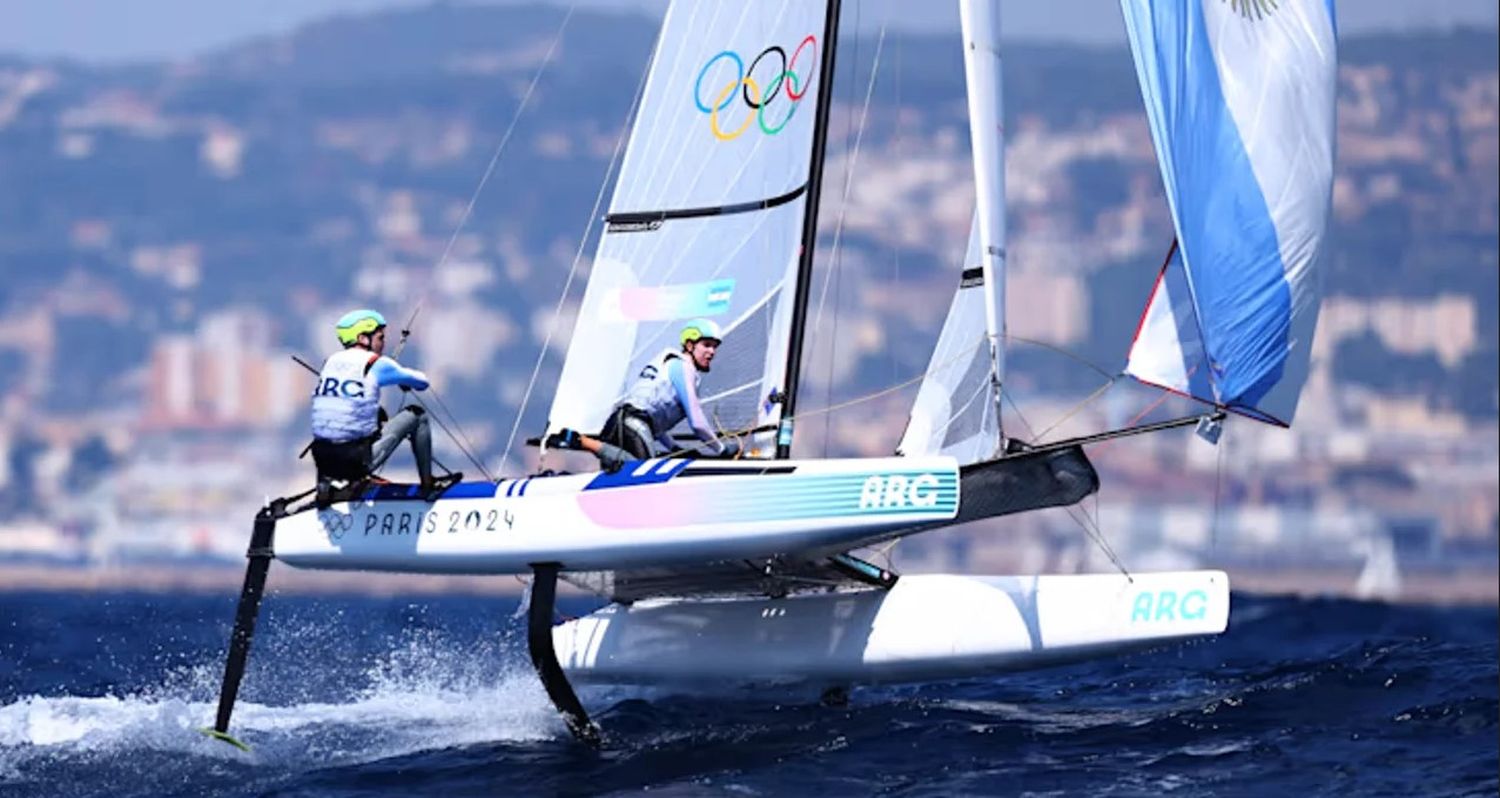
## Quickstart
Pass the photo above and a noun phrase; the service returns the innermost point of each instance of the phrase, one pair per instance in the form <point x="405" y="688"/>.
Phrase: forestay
<point x="707" y="216"/>
<point x="954" y="413"/>
<point x="1240" y="95"/>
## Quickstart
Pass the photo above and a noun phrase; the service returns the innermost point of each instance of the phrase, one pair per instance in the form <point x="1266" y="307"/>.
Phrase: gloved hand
<point x="731" y="448"/>
<point x="564" y="439"/>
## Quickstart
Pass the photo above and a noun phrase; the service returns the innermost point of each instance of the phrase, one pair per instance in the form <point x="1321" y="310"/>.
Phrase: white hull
<point x="927" y="627"/>
<point x="652" y="513"/>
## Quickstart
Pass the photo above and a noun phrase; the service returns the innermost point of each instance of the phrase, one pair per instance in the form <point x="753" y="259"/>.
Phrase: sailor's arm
<point x="388" y="372"/>
<point x="687" y="396"/>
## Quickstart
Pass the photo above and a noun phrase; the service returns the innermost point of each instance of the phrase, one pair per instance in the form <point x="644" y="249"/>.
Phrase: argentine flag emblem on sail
<point x="1240" y="95"/>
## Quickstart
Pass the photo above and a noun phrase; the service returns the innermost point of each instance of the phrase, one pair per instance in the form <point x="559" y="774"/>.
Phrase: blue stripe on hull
<point x="463" y="490"/>
<point x="660" y="471"/>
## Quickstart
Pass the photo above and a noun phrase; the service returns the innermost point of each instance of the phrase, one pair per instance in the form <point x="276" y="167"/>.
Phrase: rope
<point x="1097" y="535"/>
<point x="1080" y="517"/>
<point x="577" y="258"/>
<point x="884" y="552"/>
<point x="406" y="330"/>
<point x="723" y="435"/>
<point x="943" y="365"/>
<point x="965" y="353"/>
<point x="456" y="433"/>
<point x="489" y="170"/>
<point x="1138" y="416"/>
<point x="838" y="231"/>
<point x="1213" y="530"/>
<point x="504" y="140"/>
<point x="890" y="389"/>
<point x="898" y="151"/>
<point x="1015" y="408"/>
<point x="1061" y="351"/>
<point x="1076" y="409"/>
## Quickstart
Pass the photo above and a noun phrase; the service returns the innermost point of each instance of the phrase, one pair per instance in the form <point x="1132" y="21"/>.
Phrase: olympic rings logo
<point x="336" y="523"/>
<point x="749" y="89"/>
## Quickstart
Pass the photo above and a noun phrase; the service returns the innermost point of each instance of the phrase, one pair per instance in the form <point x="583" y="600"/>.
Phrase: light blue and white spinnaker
<point x="1240" y="94"/>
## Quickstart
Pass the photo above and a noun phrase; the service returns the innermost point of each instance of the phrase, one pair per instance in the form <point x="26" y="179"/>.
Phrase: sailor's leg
<point x="399" y="428"/>
<point x="421" y="445"/>
<point x="544" y="657"/>
<point x="611" y="458"/>
<point x="260" y="555"/>
<point x="636" y="437"/>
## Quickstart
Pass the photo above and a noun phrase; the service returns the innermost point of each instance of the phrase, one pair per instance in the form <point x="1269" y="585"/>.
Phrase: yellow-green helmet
<point x="356" y="323"/>
<point x="699" y="329"/>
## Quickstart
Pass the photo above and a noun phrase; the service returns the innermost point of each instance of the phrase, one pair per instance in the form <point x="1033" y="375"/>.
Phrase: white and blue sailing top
<point x="1240" y="95"/>
<point x="667" y="392"/>
<point x="346" y="400"/>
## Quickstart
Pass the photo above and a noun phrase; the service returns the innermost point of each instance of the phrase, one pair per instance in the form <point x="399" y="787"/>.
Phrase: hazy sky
<point x="112" y="30"/>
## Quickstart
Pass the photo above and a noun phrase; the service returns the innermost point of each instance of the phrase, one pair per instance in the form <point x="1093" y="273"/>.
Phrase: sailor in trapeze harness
<point x="350" y="442"/>
<point x="664" y="394"/>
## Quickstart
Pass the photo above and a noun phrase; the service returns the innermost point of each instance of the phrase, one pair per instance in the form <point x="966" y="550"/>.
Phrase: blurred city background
<point x="174" y="230"/>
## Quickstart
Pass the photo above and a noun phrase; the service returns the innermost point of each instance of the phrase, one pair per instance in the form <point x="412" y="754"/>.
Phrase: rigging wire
<point x="609" y="173"/>
<point x="1074" y="356"/>
<point x="1075" y="410"/>
<point x="1091" y="527"/>
<point x="838" y="253"/>
<point x="1165" y="395"/>
<point x="898" y="152"/>
<point x="885" y="391"/>
<point x="1097" y="535"/>
<point x="1213" y="530"/>
<point x="1080" y="517"/>
<point x="942" y="366"/>
<point x="504" y="140"/>
<point x="939" y="367"/>
<point x="418" y="398"/>
<point x="456" y="433"/>
<point x="406" y="331"/>
<point x="838" y="231"/>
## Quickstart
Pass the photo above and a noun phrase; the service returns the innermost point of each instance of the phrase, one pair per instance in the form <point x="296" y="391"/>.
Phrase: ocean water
<point x="351" y="696"/>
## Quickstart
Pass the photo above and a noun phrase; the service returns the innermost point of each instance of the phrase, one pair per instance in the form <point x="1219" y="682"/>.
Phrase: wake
<point x="413" y="700"/>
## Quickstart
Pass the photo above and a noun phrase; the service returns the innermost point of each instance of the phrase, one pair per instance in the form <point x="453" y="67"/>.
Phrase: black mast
<point x="809" y="232"/>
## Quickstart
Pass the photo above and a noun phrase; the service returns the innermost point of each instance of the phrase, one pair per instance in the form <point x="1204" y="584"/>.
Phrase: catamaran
<point x="744" y="569"/>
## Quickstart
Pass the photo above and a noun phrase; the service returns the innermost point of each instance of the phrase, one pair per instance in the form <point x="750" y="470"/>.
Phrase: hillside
<point x="292" y="176"/>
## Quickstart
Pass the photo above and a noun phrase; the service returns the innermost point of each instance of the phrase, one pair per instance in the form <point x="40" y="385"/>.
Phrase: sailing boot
<point x="433" y="488"/>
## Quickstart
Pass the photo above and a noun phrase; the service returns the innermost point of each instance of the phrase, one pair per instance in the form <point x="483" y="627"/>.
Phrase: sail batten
<point x="646" y="217"/>
<point x="1242" y="109"/>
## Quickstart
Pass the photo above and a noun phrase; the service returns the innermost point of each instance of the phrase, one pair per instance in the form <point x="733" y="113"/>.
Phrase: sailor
<point x="349" y="442"/>
<point x="664" y="394"/>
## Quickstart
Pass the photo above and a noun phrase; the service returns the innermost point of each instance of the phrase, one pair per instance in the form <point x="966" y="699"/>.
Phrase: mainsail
<point x="708" y="216"/>
<point x="1240" y="95"/>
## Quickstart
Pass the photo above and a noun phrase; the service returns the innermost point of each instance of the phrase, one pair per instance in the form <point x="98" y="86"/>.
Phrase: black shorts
<point x="618" y="433"/>
<point x="347" y="460"/>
